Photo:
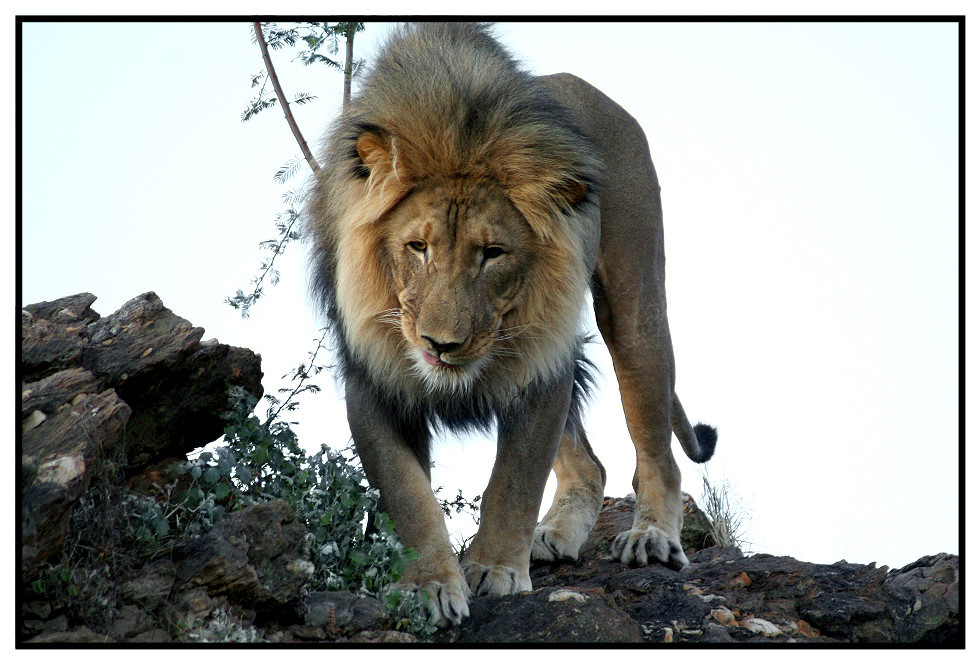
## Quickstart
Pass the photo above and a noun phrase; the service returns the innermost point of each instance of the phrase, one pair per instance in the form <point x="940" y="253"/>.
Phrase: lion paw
<point x="495" y="580"/>
<point x="551" y="545"/>
<point x="638" y="547"/>
<point x="448" y="602"/>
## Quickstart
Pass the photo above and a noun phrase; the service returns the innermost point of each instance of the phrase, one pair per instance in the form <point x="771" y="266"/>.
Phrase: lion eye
<point x="491" y="252"/>
<point x="418" y="246"/>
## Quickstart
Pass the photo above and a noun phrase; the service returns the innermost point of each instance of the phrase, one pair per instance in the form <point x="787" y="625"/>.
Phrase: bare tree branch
<point x="310" y="159"/>
<point x="348" y="65"/>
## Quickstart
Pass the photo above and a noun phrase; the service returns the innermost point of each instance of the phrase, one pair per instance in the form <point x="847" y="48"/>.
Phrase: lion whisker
<point x="390" y="317"/>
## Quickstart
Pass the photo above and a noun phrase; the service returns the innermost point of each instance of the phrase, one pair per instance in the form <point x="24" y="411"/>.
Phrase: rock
<point x="545" y="615"/>
<point x="696" y="533"/>
<point x="67" y="310"/>
<point x="725" y="596"/>
<point x="928" y="592"/>
<point x="153" y="636"/>
<point x="80" y="635"/>
<point x="151" y="587"/>
<point x="50" y="393"/>
<point x="344" y="613"/>
<point x="58" y="456"/>
<point x="51" y="335"/>
<point x="130" y="622"/>
<point x="138" y="379"/>
<point x="175" y="386"/>
<point x="384" y="637"/>
<point x="254" y="557"/>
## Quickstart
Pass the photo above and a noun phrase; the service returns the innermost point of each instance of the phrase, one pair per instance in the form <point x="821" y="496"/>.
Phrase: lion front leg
<point x="498" y="560"/>
<point x="399" y="470"/>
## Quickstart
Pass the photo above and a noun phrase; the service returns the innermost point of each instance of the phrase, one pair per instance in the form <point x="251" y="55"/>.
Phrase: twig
<point x="299" y="387"/>
<point x="282" y="100"/>
<point x="348" y="65"/>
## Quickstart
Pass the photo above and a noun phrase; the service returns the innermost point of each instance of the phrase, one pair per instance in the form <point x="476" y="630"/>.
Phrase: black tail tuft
<point x="707" y="439"/>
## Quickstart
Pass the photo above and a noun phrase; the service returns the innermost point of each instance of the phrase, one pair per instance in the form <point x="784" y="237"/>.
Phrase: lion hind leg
<point x="577" y="501"/>
<point x="645" y="373"/>
<point x="655" y="532"/>
<point x="639" y="547"/>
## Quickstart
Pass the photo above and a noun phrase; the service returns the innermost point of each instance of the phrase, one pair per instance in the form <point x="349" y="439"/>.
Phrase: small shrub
<point x="223" y="627"/>
<point x="728" y="518"/>
<point x="260" y="462"/>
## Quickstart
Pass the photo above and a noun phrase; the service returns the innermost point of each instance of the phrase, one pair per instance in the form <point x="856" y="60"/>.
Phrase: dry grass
<point x="728" y="517"/>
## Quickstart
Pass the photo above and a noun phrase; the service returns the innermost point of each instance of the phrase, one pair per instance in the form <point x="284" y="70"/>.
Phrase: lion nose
<point x="440" y="347"/>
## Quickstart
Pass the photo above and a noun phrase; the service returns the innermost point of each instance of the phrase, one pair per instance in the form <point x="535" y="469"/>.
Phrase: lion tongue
<point x="432" y="360"/>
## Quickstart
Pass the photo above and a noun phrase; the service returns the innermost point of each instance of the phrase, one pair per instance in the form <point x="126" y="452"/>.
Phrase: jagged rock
<point x="175" y="386"/>
<point x="929" y="591"/>
<point x="696" y="533"/>
<point x="59" y="450"/>
<point x="566" y="615"/>
<point x="150" y="588"/>
<point x="253" y="557"/>
<point x="131" y="622"/>
<point x="383" y="637"/>
<point x="139" y="377"/>
<point x="724" y="596"/>
<point x="342" y="613"/>
<point x="80" y="635"/>
<point x="51" y="335"/>
<point x="50" y="393"/>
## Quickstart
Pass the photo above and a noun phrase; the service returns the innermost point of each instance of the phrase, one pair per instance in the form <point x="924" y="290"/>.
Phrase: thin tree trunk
<point x="348" y="65"/>
<point x="310" y="159"/>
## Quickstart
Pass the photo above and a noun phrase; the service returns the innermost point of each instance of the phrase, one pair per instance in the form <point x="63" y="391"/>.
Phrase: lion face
<point x="454" y="276"/>
<point x="459" y="256"/>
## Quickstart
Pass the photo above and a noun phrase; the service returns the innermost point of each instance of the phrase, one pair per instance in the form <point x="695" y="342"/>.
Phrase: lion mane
<point x="497" y="124"/>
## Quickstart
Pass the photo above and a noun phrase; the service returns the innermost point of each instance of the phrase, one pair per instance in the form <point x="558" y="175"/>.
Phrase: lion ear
<point x="375" y="153"/>
<point x="572" y="192"/>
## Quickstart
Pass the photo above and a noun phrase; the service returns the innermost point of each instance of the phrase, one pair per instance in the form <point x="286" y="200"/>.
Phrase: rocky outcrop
<point x="253" y="557"/>
<point x="68" y="424"/>
<point x="138" y="382"/>
<point x="138" y="387"/>
<point x="722" y="597"/>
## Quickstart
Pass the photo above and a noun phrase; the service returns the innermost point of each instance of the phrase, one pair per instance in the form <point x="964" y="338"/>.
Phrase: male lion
<point x="463" y="211"/>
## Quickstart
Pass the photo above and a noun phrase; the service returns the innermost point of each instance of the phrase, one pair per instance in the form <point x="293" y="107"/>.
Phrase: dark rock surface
<point x="343" y="614"/>
<point x="138" y="380"/>
<point x="556" y="615"/>
<point x="175" y="385"/>
<point x="69" y="427"/>
<point x="51" y="335"/>
<point x="253" y="557"/>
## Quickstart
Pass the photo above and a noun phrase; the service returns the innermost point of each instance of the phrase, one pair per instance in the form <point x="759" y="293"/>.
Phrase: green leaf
<point x="212" y="475"/>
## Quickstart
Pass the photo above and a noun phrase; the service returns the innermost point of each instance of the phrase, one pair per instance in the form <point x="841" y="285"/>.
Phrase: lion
<point x="464" y="210"/>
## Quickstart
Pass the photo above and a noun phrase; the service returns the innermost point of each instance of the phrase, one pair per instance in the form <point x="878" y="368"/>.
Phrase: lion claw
<point x="550" y="546"/>
<point x="637" y="547"/>
<point x="494" y="580"/>
<point x="447" y="604"/>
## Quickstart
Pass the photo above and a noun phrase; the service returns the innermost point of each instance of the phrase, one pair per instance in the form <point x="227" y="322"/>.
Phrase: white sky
<point x="809" y="176"/>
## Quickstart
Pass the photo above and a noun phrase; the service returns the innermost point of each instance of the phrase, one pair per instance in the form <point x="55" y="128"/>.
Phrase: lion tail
<point x="698" y="441"/>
